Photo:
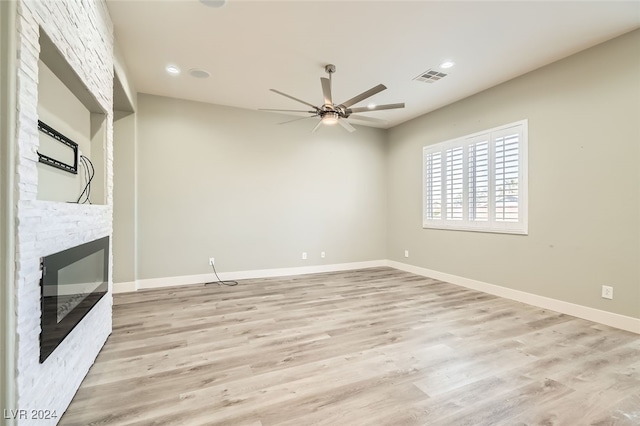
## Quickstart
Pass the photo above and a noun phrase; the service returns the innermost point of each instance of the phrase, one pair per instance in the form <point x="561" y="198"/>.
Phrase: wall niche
<point x="70" y="116"/>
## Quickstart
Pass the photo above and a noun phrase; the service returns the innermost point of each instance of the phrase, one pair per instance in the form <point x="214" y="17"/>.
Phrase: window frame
<point x="490" y="225"/>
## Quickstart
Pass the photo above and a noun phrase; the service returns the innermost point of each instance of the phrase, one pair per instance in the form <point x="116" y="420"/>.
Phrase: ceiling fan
<point x="331" y="113"/>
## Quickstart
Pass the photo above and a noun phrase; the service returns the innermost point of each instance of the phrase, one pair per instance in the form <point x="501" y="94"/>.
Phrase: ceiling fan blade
<point x="317" y="125"/>
<point x="369" y="119"/>
<point x="364" y="95"/>
<point x="377" y="108"/>
<point x="344" y="123"/>
<point x="291" y="97"/>
<point x="296" y="119"/>
<point x="326" y="90"/>
<point x="285" y="110"/>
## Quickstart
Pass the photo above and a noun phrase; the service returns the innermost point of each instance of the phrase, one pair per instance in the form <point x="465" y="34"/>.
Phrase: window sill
<point x="520" y="230"/>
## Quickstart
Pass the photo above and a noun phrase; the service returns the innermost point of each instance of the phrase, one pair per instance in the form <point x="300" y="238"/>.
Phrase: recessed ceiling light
<point x="199" y="73"/>
<point x="173" y="70"/>
<point x="371" y="106"/>
<point x="447" y="64"/>
<point x="213" y="3"/>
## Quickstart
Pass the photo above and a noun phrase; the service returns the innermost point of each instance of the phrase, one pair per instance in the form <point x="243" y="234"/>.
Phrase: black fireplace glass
<point x="73" y="281"/>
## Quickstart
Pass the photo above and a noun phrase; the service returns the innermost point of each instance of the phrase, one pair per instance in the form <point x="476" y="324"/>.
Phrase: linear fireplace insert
<point x="73" y="281"/>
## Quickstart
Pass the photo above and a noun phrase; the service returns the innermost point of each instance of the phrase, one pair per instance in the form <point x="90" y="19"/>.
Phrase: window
<point x="478" y="182"/>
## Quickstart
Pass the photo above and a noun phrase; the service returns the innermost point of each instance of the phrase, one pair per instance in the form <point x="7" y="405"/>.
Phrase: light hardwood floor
<point x="370" y="347"/>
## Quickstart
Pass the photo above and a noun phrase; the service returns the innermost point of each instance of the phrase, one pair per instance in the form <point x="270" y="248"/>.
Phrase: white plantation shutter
<point x="478" y="166"/>
<point x="507" y="176"/>
<point x="453" y="183"/>
<point x="478" y="182"/>
<point x="433" y="185"/>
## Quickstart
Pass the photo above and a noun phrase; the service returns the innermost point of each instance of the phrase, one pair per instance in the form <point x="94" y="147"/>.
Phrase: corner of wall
<point x="122" y="74"/>
<point x="7" y="208"/>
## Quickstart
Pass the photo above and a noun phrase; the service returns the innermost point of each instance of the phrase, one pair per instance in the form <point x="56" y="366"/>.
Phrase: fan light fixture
<point x="330" y="118"/>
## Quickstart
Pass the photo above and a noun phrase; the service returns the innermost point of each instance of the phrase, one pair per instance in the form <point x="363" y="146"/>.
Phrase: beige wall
<point x="124" y="181"/>
<point x="229" y="183"/>
<point x="584" y="182"/>
<point x="124" y="199"/>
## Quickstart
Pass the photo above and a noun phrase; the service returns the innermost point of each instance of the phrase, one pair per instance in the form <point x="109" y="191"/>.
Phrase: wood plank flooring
<point x="369" y="347"/>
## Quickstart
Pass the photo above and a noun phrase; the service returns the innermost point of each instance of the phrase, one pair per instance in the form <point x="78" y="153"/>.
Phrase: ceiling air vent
<point x="430" y="76"/>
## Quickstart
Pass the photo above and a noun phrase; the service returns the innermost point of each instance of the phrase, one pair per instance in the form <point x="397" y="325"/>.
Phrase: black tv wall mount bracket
<point x="44" y="128"/>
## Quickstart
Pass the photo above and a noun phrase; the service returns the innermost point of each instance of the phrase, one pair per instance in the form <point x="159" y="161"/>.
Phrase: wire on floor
<point x="220" y="282"/>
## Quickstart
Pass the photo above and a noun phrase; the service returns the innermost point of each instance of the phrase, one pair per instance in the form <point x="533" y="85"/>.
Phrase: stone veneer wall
<point x="82" y="31"/>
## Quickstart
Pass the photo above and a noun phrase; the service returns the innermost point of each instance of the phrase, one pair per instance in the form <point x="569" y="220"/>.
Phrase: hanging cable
<point x="220" y="282"/>
<point x="89" y="173"/>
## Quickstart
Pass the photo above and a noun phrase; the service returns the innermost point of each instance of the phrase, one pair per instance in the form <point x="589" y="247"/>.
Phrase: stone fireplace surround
<point x="83" y="34"/>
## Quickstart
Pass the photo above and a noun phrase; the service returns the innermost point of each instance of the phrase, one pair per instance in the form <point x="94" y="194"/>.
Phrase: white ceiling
<point x="250" y="47"/>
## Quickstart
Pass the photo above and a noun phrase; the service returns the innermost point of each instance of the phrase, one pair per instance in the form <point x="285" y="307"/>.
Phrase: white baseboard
<point x="242" y="275"/>
<point x="124" y="287"/>
<point x="596" y="315"/>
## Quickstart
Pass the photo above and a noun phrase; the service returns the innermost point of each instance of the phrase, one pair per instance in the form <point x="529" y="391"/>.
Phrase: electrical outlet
<point x="406" y="253"/>
<point x="304" y="255"/>
<point x="212" y="261"/>
<point x="322" y="254"/>
<point x="607" y="292"/>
